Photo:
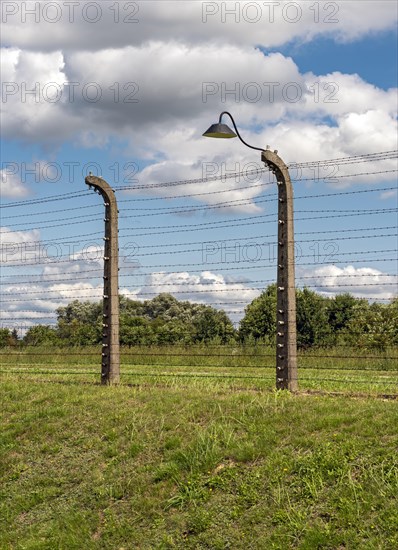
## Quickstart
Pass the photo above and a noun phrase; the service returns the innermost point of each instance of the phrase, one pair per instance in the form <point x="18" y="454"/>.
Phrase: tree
<point x="14" y="336"/>
<point x="312" y="320"/>
<point x="135" y="331"/>
<point x="77" y="333"/>
<point x="393" y="314"/>
<point x="340" y="310"/>
<point x="210" y="324"/>
<point x="259" y="321"/>
<point x="164" y="306"/>
<point x="5" y="337"/>
<point x="171" y="332"/>
<point x="84" y="312"/>
<point x="80" y="323"/>
<point x="374" y="326"/>
<point x="166" y="320"/>
<point x="131" y="307"/>
<point x="41" y="335"/>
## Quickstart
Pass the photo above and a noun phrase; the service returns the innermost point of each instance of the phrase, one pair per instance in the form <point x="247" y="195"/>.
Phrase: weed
<point x="193" y="463"/>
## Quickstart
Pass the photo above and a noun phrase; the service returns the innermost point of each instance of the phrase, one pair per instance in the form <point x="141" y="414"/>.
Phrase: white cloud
<point x="368" y="132"/>
<point x="361" y="282"/>
<point x="175" y="107"/>
<point x="208" y="288"/>
<point x="336" y="94"/>
<point x="296" y="140"/>
<point x="15" y="178"/>
<point x="240" y="190"/>
<point x="244" y="22"/>
<point x="62" y="278"/>
<point x="37" y="302"/>
<point x="42" y="299"/>
<point x="190" y="62"/>
<point x="95" y="87"/>
<point x="30" y="90"/>
<point x="11" y="186"/>
<point x="180" y="94"/>
<point x="18" y="247"/>
<point x="389" y="194"/>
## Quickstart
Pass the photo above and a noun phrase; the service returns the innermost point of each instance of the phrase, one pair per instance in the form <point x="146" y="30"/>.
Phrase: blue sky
<point x="363" y="56"/>
<point x="130" y="101"/>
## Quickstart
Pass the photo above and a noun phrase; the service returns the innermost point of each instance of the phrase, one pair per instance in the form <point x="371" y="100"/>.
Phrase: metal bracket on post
<point x="110" y="372"/>
<point x="286" y="339"/>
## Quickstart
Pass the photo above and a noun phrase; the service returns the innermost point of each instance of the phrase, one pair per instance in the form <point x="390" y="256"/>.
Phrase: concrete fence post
<point x="110" y="371"/>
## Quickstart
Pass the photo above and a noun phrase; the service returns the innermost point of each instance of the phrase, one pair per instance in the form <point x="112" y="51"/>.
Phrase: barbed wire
<point x="64" y="196"/>
<point x="300" y="356"/>
<point x="98" y="272"/>
<point x="351" y="370"/>
<point x="175" y="209"/>
<point x="46" y="212"/>
<point x="246" y="188"/>
<point x="373" y="157"/>
<point x="196" y="290"/>
<point x="236" y="239"/>
<point x="257" y="171"/>
<point x="51" y="226"/>
<point x="369" y="157"/>
<point x="208" y="288"/>
<point x="254" y="201"/>
<point x="190" y="250"/>
<point x="209" y="225"/>
<point x="242" y="310"/>
<point x="85" y="216"/>
<point x="68" y="259"/>
<point x="230" y="205"/>
<point x="368" y="260"/>
<point x="271" y="243"/>
<point x="225" y="304"/>
<point x="215" y="225"/>
<point x="319" y="264"/>
<point x="364" y="382"/>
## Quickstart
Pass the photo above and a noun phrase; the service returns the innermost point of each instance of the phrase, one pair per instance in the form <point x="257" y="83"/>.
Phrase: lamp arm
<point x="237" y="131"/>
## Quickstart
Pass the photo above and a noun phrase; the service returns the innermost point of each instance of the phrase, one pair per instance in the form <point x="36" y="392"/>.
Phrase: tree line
<point x="164" y="320"/>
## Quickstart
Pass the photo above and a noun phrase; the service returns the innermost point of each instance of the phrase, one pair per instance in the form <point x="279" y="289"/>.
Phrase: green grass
<point x="190" y="462"/>
<point x="335" y="370"/>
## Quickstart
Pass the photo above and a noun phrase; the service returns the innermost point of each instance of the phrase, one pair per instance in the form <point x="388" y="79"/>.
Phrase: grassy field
<point x="338" y="369"/>
<point x="196" y="461"/>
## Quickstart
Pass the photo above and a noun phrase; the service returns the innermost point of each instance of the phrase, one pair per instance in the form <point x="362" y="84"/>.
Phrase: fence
<point x="190" y="242"/>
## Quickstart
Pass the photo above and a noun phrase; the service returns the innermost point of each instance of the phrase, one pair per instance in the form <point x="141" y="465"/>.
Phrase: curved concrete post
<point x="110" y="372"/>
<point x="286" y="339"/>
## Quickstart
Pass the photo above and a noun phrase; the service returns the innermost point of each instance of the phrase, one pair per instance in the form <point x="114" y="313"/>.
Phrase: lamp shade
<point x="219" y="131"/>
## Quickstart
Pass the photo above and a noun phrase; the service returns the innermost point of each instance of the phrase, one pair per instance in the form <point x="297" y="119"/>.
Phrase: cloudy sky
<point x="125" y="90"/>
